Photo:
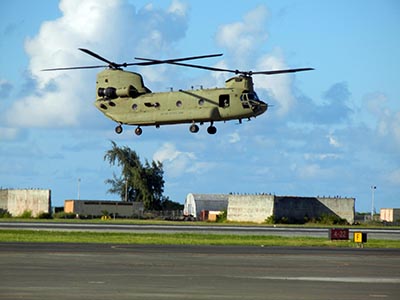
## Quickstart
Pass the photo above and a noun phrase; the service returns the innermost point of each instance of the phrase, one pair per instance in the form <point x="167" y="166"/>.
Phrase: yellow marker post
<point x="360" y="238"/>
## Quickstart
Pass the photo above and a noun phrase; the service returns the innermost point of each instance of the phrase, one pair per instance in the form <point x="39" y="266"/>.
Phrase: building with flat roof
<point x="390" y="214"/>
<point x="98" y="208"/>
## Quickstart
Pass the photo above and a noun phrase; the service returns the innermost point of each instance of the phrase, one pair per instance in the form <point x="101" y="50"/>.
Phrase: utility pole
<point x="373" y="188"/>
<point x="79" y="189"/>
<point x="126" y="189"/>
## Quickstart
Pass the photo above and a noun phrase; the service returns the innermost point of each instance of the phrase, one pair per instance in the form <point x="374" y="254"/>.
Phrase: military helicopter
<point x="122" y="96"/>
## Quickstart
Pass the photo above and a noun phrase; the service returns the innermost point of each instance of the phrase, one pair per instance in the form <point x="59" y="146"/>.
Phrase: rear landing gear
<point x="118" y="129"/>
<point x="194" y="128"/>
<point x="138" y="131"/>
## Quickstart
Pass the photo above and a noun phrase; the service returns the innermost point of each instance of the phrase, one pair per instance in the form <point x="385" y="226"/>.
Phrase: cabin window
<point x="201" y="102"/>
<point x="134" y="106"/>
<point x="224" y="100"/>
<point x="179" y="103"/>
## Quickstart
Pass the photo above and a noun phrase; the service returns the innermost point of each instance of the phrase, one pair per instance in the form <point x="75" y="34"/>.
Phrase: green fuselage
<point x="122" y="97"/>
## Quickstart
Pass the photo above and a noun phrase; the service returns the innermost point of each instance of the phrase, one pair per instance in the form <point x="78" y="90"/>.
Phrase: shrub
<point x="4" y="213"/>
<point x="270" y="220"/>
<point x="44" y="215"/>
<point x="64" y="215"/>
<point x="331" y="219"/>
<point x="27" y="214"/>
<point x="222" y="217"/>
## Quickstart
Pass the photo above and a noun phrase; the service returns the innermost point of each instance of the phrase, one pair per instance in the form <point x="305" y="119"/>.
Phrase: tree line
<point x="138" y="181"/>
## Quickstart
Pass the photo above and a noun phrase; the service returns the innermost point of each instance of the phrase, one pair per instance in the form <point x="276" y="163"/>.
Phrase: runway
<point x="100" y="271"/>
<point x="391" y="234"/>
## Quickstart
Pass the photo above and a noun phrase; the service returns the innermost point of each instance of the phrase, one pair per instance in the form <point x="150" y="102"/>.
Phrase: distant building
<point x="98" y="208"/>
<point x="390" y="214"/>
<point x="18" y="201"/>
<point x="196" y="203"/>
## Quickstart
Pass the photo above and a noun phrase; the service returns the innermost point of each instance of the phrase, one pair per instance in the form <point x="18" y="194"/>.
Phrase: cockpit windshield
<point x="249" y="97"/>
<point x="252" y="96"/>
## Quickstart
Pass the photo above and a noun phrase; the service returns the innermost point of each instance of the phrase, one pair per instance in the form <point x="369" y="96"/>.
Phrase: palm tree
<point x="137" y="182"/>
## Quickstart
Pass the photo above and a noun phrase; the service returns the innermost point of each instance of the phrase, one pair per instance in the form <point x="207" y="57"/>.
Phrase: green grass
<point x="179" y="239"/>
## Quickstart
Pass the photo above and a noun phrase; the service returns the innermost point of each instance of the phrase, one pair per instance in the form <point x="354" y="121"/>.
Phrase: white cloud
<point x="115" y="30"/>
<point x="175" y="162"/>
<point x="178" y="8"/>
<point x="320" y="156"/>
<point x="5" y="88"/>
<point x="278" y="87"/>
<point x="394" y="177"/>
<point x="234" y="137"/>
<point x="387" y="119"/>
<point x="8" y="133"/>
<point x="178" y="163"/>
<point x="242" y="38"/>
<point x="333" y="141"/>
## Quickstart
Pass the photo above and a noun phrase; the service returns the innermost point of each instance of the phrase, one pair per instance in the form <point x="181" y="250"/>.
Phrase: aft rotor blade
<point x="110" y="63"/>
<point x="282" y="71"/>
<point x="170" y="61"/>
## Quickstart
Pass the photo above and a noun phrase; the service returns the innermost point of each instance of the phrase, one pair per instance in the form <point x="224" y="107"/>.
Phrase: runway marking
<point x="327" y="279"/>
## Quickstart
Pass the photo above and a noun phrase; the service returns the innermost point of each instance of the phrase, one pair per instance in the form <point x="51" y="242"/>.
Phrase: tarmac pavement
<point x="104" y="271"/>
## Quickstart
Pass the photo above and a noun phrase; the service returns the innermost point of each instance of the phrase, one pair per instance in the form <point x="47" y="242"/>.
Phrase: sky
<point x="334" y="131"/>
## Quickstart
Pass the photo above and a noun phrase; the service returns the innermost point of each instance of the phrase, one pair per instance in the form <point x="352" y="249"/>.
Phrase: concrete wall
<point x="342" y="207"/>
<point x="97" y="208"/>
<point x="19" y="201"/>
<point x="250" y="208"/>
<point x="257" y="208"/>
<point x="297" y="209"/>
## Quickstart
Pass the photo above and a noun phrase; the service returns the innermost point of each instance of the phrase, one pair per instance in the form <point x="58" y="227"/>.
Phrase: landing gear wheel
<point x="212" y="130"/>
<point x="138" y="131"/>
<point x="194" y="128"/>
<point x="118" y="129"/>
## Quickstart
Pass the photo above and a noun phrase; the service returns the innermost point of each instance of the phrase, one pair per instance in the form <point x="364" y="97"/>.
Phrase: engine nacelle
<point x="113" y="93"/>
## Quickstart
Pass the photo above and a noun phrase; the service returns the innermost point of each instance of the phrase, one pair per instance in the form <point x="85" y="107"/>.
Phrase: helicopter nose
<point x="262" y="108"/>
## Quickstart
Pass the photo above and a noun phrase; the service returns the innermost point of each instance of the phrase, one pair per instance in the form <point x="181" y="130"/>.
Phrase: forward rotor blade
<point x="169" y="61"/>
<point x="273" y="72"/>
<point x="110" y="63"/>
<point x="75" y="68"/>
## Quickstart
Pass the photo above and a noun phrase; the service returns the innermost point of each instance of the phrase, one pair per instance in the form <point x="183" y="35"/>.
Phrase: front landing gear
<point x="212" y="129"/>
<point x="194" y="128"/>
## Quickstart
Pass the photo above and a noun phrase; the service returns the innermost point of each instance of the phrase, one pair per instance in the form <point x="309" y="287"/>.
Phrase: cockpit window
<point x="252" y="96"/>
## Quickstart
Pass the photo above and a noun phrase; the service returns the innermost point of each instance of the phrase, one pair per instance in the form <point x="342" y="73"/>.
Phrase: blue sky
<point x="332" y="131"/>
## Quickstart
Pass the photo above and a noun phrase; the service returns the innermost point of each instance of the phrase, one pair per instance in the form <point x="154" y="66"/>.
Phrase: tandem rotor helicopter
<point x="122" y="96"/>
